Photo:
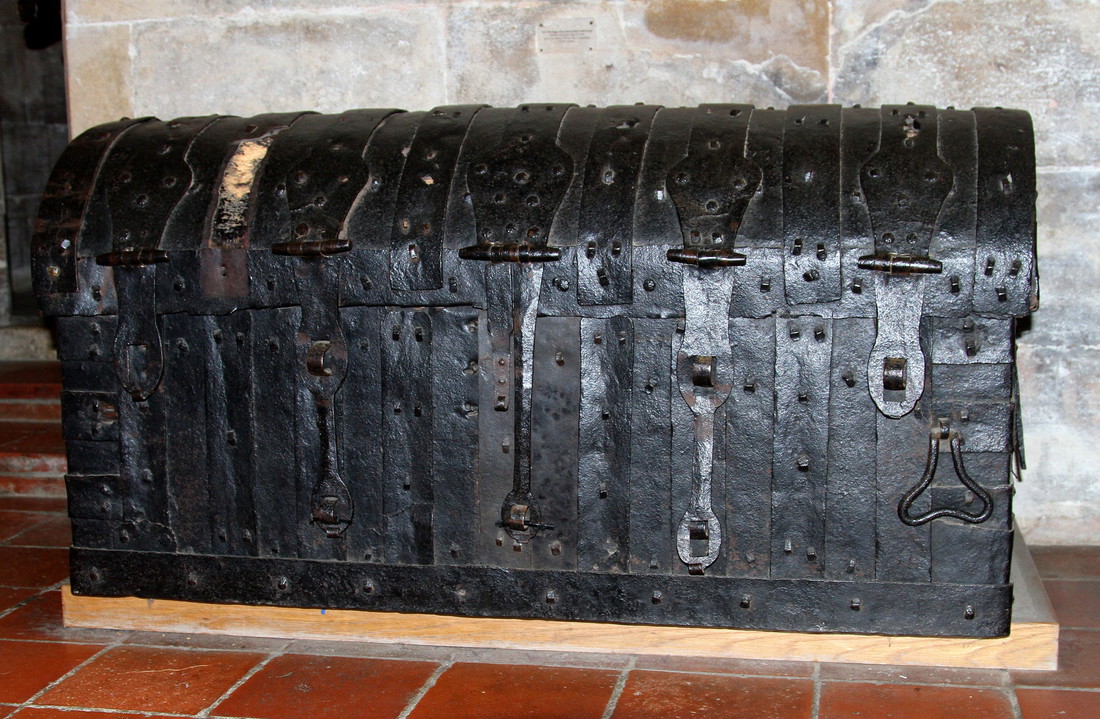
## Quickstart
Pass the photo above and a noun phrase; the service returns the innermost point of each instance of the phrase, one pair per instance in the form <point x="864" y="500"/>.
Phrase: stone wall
<point x="180" y="57"/>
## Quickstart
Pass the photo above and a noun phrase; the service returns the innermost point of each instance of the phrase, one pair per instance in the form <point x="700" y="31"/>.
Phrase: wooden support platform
<point x="1032" y="644"/>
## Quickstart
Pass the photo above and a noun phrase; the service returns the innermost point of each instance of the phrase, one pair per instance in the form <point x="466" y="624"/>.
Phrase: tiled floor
<point x="49" y="672"/>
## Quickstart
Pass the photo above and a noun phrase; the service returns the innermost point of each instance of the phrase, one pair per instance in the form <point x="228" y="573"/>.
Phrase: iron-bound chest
<point x="693" y="366"/>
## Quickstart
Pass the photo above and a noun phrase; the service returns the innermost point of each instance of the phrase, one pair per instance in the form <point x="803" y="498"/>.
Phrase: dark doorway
<point x="33" y="132"/>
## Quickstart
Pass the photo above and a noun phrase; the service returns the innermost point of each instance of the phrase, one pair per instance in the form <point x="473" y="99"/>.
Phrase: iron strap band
<point x="59" y="231"/>
<point x="420" y="207"/>
<point x="811" y="218"/>
<point x="1006" y="277"/>
<point x="516" y="184"/>
<point x="930" y="609"/>
<point x="604" y="266"/>
<point x="224" y="160"/>
<point x="322" y="184"/>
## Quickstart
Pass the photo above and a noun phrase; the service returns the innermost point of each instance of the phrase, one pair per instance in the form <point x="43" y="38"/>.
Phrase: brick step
<point x="30" y="392"/>
<point x="32" y="452"/>
<point x="30" y="410"/>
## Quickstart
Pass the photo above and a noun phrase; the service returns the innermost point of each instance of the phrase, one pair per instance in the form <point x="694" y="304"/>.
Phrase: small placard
<point x="576" y="34"/>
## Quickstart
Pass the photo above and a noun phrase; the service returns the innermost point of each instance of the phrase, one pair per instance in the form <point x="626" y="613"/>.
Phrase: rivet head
<point x="657" y="596"/>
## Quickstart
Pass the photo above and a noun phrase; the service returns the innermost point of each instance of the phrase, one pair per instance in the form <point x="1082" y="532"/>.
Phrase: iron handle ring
<point x="906" y="503"/>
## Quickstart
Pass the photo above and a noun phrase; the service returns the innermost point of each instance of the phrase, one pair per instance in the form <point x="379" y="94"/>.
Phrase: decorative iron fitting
<point x="312" y="248"/>
<point x="705" y="258"/>
<point x="941" y="430"/>
<point x="516" y="186"/>
<point x="905" y="184"/>
<point x="712" y="186"/>
<point x="899" y="264"/>
<point x="517" y="254"/>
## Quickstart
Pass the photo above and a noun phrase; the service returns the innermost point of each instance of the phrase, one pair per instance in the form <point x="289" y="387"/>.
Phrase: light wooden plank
<point x="1032" y="643"/>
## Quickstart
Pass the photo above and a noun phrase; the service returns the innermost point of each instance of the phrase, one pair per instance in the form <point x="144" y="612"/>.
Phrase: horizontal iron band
<point x="805" y="605"/>
<point x="132" y="258"/>
<point x="705" y="258"/>
<point x="509" y="253"/>
<point x="900" y="264"/>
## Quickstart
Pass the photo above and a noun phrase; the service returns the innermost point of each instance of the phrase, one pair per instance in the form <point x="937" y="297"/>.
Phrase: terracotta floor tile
<point x="476" y="691"/>
<point x="1058" y="704"/>
<point x="1078" y="663"/>
<point x="32" y="566"/>
<point x="40" y="619"/>
<point x="296" y="685"/>
<point x="888" y="674"/>
<point x="26" y="668"/>
<point x="13" y="522"/>
<point x="10" y="596"/>
<point x="48" y="713"/>
<point x="152" y="679"/>
<point x="886" y="701"/>
<point x="727" y="666"/>
<point x="53" y="531"/>
<point x="34" y="504"/>
<point x="1067" y="562"/>
<point x="1076" y="601"/>
<point x="668" y="694"/>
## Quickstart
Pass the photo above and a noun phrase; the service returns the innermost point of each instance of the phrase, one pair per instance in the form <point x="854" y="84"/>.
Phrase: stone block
<point x="95" y="11"/>
<point x="753" y="31"/>
<point x="1069" y="261"/>
<point x="260" y="63"/>
<point x="1030" y="54"/>
<point x="494" y="57"/>
<point x="1056" y="503"/>
<point x="1059" y="364"/>
<point x="99" y="74"/>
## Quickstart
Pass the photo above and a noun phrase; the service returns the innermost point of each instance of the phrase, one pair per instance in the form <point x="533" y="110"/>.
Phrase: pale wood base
<point x="1032" y="644"/>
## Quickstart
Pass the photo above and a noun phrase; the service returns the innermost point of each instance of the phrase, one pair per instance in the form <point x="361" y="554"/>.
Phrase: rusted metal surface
<point x="686" y="366"/>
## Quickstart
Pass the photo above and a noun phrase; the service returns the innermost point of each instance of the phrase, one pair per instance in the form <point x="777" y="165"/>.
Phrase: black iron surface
<point x="690" y="366"/>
